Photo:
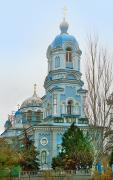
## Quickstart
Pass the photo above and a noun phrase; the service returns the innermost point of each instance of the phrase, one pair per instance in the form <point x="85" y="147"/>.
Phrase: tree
<point x="9" y="158"/>
<point x="28" y="154"/>
<point x="111" y="158"/>
<point x="99" y="79"/>
<point x="109" y="134"/>
<point x="76" y="150"/>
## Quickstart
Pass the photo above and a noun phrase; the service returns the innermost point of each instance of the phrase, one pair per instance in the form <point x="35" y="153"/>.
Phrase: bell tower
<point x="63" y="84"/>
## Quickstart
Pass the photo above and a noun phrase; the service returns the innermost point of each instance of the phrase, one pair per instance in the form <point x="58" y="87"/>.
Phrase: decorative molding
<point x="62" y="81"/>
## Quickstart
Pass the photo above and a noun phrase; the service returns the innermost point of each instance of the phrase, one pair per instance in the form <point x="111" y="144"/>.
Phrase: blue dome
<point x="62" y="38"/>
<point x="17" y="113"/>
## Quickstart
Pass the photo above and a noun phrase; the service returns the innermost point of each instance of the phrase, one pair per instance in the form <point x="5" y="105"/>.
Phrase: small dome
<point x="33" y="101"/>
<point x="17" y="113"/>
<point x="64" y="26"/>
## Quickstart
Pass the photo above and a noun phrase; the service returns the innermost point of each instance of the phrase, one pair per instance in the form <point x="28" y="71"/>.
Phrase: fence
<point x="50" y="175"/>
<point x="57" y="175"/>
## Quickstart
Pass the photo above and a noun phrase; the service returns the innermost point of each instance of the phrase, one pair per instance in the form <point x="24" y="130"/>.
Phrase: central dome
<point x="63" y="37"/>
<point x="33" y="101"/>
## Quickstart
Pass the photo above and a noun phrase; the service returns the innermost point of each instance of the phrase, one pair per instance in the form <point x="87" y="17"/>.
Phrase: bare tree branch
<point x="99" y="80"/>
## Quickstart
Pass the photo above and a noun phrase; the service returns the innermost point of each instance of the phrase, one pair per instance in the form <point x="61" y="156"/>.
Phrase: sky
<point x="27" y="27"/>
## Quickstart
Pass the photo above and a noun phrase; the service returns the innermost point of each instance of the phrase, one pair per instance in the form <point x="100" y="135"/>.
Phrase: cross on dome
<point x="35" y="88"/>
<point x="33" y="101"/>
<point x="65" y="10"/>
<point x="18" y="106"/>
<point x="64" y="25"/>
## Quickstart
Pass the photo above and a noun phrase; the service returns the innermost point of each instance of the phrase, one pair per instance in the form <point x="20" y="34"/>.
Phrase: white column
<point x="63" y="108"/>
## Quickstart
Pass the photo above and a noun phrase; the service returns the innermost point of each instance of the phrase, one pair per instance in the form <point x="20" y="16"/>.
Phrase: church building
<point x="47" y="118"/>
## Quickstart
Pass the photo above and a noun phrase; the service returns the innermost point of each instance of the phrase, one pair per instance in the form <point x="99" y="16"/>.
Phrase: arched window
<point x="57" y="62"/>
<point x="44" y="157"/>
<point x="24" y="116"/>
<point x="70" y="107"/>
<point x="39" y="115"/>
<point x="29" y="115"/>
<point x="77" y="108"/>
<point x="48" y="109"/>
<point x="68" y="55"/>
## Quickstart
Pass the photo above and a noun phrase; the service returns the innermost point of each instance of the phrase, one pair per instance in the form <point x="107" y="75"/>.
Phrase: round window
<point x="44" y="141"/>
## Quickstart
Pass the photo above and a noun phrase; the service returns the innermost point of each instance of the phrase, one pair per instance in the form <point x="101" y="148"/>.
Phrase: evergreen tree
<point x="76" y="150"/>
<point x="29" y="155"/>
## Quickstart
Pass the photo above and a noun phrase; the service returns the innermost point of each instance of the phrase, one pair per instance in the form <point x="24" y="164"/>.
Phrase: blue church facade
<point x="47" y="118"/>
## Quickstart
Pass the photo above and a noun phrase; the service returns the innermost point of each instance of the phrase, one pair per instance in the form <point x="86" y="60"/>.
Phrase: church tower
<point x="64" y="100"/>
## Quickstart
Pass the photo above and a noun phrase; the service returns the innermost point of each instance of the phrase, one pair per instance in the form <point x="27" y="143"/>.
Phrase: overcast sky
<point x="27" y="27"/>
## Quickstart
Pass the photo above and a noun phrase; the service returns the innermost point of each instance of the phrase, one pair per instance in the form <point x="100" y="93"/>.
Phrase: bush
<point x="105" y="176"/>
<point x="15" y="170"/>
<point x="4" y="172"/>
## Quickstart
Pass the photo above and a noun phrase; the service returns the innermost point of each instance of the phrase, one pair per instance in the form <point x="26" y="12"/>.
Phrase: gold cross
<point x="35" y="88"/>
<point x="65" y="10"/>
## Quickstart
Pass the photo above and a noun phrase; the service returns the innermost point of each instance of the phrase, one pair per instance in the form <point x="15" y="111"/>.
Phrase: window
<point x="48" y="109"/>
<point x="55" y="104"/>
<point x="44" y="157"/>
<point x="69" y="107"/>
<point x="57" y="62"/>
<point x="29" y="115"/>
<point x="24" y="116"/>
<point x="77" y="108"/>
<point x="39" y="115"/>
<point x="44" y="141"/>
<point x="68" y="55"/>
<point x="78" y="64"/>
